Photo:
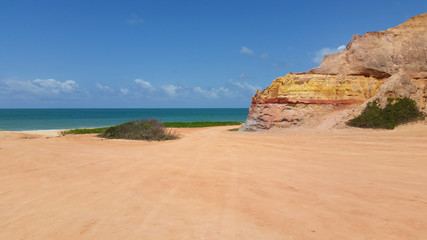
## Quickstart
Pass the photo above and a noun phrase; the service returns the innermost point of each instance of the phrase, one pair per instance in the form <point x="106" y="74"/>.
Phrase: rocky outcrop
<point x="376" y="65"/>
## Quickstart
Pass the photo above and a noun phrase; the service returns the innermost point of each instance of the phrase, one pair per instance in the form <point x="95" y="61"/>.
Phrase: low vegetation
<point x="84" y="131"/>
<point x="137" y="127"/>
<point x="397" y="111"/>
<point x="151" y="130"/>
<point x="198" y="124"/>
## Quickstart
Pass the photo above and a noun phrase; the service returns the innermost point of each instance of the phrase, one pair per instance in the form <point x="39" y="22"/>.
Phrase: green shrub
<point x="151" y="130"/>
<point x="397" y="111"/>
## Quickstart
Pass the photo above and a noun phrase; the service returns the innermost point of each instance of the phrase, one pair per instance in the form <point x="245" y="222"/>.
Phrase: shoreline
<point x="46" y="133"/>
<point x="199" y="124"/>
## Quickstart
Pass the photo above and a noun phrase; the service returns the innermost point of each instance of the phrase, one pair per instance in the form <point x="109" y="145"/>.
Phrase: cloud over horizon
<point x="38" y="86"/>
<point x="104" y="88"/>
<point x="246" y="86"/>
<point x="52" y="89"/>
<point x="213" y="92"/>
<point x="144" y="84"/>
<point x="171" y="89"/>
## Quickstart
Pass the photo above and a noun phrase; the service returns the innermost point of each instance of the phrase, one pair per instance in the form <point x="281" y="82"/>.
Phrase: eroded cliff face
<point x="377" y="65"/>
<point x="298" y="99"/>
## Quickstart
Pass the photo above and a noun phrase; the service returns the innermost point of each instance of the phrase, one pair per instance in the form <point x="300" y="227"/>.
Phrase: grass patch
<point x="166" y="124"/>
<point x="199" y="124"/>
<point x="151" y="130"/>
<point x="234" y="129"/>
<point x="397" y="111"/>
<point x="84" y="131"/>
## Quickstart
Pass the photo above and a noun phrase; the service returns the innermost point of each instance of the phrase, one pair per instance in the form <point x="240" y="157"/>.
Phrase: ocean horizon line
<point x="126" y="108"/>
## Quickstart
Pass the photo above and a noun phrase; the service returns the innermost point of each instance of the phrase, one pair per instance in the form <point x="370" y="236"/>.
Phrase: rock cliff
<point x="376" y="65"/>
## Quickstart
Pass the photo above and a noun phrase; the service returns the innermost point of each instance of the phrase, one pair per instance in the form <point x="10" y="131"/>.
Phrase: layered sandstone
<point x="376" y="65"/>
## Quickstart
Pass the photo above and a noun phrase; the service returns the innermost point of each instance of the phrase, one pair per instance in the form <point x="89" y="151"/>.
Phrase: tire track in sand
<point x="168" y="196"/>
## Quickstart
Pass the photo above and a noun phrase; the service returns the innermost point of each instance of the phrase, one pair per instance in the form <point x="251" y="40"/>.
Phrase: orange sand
<point x="216" y="184"/>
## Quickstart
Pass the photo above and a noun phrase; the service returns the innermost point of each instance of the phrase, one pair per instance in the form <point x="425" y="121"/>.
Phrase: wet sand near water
<point x="216" y="184"/>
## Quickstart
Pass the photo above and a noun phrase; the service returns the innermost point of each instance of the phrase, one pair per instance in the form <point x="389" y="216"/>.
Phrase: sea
<point x="54" y="119"/>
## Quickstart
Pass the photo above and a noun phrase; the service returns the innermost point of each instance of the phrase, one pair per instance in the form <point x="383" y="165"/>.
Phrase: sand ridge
<point x="216" y="184"/>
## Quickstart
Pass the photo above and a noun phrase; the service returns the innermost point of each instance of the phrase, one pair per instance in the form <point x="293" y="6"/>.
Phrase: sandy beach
<point x="216" y="184"/>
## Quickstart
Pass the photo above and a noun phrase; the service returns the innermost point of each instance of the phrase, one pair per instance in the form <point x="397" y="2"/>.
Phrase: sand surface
<point x="216" y="184"/>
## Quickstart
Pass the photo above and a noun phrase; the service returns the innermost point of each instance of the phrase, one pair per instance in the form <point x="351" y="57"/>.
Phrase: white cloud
<point x="69" y="86"/>
<point x="340" y="48"/>
<point x="124" y="91"/>
<point x="264" y="55"/>
<point x="135" y="19"/>
<point x="212" y="93"/>
<point x="246" y="86"/>
<point x="144" y="84"/>
<point x="205" y="93"/>
<point x="171" y="90"/>
<point x="104" y="88"/>
<point x="42" y="86"/>
<point x="318" y="55"/>
<point x="246" y="51"/>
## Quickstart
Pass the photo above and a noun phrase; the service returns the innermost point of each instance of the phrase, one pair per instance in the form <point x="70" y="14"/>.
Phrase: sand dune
<point x="216" y="184"/>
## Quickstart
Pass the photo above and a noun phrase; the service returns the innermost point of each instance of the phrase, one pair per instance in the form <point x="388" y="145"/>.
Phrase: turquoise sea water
<point x="45" y="119"/>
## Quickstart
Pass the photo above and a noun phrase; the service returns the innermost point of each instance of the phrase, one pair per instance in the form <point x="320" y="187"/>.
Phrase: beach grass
<point x="84" y="131"/>
<point x="199" y="124"/>
<point x="165" y="124"/>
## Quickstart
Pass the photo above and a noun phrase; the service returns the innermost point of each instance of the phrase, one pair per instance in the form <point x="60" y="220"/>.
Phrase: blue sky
<point x="155" y="54"/>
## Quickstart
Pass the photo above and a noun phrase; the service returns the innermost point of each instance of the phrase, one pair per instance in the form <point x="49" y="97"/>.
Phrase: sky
<point x="171" y="54"/>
